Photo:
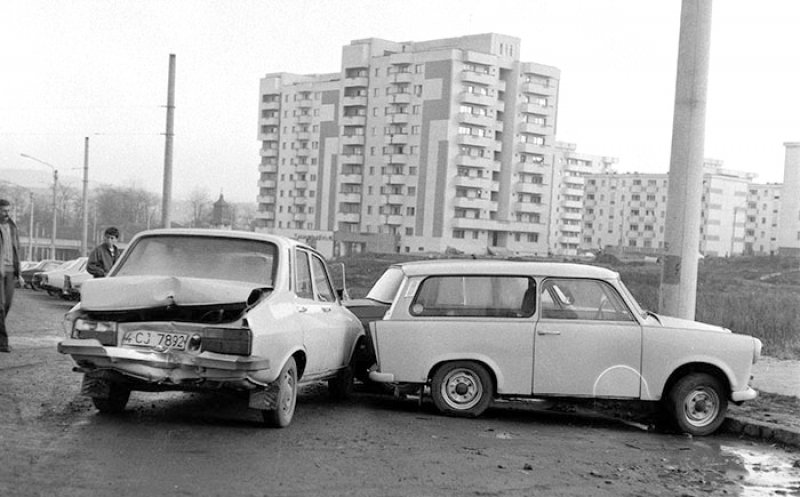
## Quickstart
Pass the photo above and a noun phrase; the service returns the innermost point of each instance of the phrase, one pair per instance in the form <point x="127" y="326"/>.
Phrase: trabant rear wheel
<point x="282" y="415"/>
<point x="698" y="404"/>
<point x="117" y="399"/>
<point x="462" y="388"/>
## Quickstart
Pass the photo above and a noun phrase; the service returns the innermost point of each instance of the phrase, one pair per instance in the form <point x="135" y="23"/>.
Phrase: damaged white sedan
<point x="213" y="310"/>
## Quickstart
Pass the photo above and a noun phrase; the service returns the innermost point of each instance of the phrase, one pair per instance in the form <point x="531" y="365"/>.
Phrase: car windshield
<point x="208" y="257"/>
<point x="387" y="285"/>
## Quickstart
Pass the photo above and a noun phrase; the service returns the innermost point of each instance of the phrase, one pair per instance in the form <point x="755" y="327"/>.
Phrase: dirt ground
<point x="53" y="442"/>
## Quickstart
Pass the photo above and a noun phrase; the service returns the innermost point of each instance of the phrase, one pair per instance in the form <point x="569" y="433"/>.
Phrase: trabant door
<point x="587" y="342"/>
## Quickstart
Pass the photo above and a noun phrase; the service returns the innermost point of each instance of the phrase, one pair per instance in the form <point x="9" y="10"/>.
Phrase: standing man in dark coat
<point x="9" y="268"/>
<point x="104" y="255"/>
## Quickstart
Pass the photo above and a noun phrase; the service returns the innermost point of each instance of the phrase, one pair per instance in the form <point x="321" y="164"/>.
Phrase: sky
<point x="98" y="68"/>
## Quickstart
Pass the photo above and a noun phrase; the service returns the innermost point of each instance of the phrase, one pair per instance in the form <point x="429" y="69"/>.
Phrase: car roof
<point x="217" y="233"/>
<point x="483" y="266"/>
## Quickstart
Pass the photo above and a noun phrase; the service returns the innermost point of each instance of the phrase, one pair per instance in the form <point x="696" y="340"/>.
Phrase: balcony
<point x="479" y="141"/>
<point x="476" y="119"/>
<point x="303" y="135"/>
<point x="268" y="168"/>
<point x="301" y="184"/>
<point x="354" y="100"/>
<point x="265" y="215"/>
<point x="353" y="139"/>
<point x="471" y="161"/>
<point x="349" y="217"/>
<point x="535" y="128"/>
<point x="276" y="104"/>
<point x="269" y="152"/>
<point x="299" y="216"/>
<point x="354" y="120"/>
<point x="531" y="148"/>
<point x="534" y="108"/>
<point x="396" y="158"/>
<point x="401" y="77"/>
<point x="358" y="81"/>
<point x="304" y="118"/>
<point x="300" y="200"/>
<point x="470" y="223"/>
<point x="471" y="181"/>
<point x="351" y="178"/>
<point x="540" y="88"/>
<point x="265" y="199"/>
<point x="531" y="167"/>
<point x="473" y="98"/>
<point x="400" y="139"/>
<point x="399" y="118"/>
<point x="536" y="188"/>
<point x="352" y="159"/>
<point x="354" y="198"/>
<point x="270" y="119"/>
<point x="303" y="152"/>
<point x="400" y="98"/>
<point x="529" y="207"/>
<point x="267" y="183"/>
<point x="301" y="168"/>
<point x="474" y="203"/>
<point x="394" y="179"/>
<point x="392" y="219"/>
<point x="478" y="77"/>
<point x="305" y="103"/>
<point x="393" y="199"/>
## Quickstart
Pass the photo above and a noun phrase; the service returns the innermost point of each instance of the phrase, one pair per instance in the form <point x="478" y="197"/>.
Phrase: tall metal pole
<point x="682" y="228"/>
<point x="167" y="189"/>
<point x="85" y="230"/>
<point x="55" y="204"/>
<point x="30" y="233"/>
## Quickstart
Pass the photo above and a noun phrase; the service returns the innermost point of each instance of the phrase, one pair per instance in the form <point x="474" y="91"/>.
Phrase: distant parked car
<point x="39" y="267"/>
<point x="206" y="309"/>
<point x="73" y="283"/>
<point x="475" y="331"/>
<point x="53" y="281"/>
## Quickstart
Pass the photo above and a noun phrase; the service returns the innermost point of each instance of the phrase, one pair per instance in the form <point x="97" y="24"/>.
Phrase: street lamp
<point x="55" y="186"/>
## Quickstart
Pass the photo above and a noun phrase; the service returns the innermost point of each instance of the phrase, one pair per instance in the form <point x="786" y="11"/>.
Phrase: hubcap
<point x="701" y="407"/>
<point x="462" y="389"/>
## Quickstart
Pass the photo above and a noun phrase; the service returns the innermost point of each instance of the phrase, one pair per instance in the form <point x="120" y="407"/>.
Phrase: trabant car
<point x="209" y="310"/>
<point x="478" y="330"/>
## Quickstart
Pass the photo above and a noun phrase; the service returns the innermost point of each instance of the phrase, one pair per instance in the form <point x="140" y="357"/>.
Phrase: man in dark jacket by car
<point x="104" y="255"/>
<point x="9" y="268"/>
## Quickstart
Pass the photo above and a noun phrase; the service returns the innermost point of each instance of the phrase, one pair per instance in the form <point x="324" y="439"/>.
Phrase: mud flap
<point x="95" y="387"/>
<point x="265" y="399"/>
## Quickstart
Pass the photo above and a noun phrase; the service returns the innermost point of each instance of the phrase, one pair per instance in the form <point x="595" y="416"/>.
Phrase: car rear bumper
<point x="379" y="377"/>
<point x="170" y="367"/>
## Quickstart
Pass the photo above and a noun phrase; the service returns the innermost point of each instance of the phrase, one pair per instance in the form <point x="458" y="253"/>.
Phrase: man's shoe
<point x="7" y="348"/>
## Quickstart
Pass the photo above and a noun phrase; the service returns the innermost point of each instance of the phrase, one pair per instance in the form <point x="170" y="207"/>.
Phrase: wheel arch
<point x="486" y="365"/>
<point x="696" y="367"/>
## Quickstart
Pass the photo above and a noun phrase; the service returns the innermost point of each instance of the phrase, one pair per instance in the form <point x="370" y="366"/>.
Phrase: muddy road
<point x="54" y="443"/>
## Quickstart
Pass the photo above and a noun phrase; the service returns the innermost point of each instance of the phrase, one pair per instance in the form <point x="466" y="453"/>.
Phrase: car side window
<point x="585" y="299"/>
<point x="322" y="285"/>
<point x="475" y="296"/>
<point x="304" y="289"/>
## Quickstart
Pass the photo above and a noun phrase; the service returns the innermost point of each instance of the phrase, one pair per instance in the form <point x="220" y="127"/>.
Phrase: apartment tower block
<point x="413" y="147"/>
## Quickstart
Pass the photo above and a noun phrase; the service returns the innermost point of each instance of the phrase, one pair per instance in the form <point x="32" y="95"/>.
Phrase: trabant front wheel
<point x="462" y="388"/>
<point x="282" y="415"/>
<point x="697" y="403"/>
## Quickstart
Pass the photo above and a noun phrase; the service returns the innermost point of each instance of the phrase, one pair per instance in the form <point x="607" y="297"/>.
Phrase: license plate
<point x="157" y="340"/>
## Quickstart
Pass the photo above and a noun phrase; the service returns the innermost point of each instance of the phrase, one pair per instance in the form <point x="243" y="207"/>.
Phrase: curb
<point x="742" y="425"/>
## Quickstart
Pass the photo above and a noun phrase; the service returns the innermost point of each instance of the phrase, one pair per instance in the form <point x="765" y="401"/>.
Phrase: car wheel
<point x="698" y="404"/>
<point x="462" y="388"/>
<point x="117" y="399"/>
<point x="52" y="293"/>
<point x="341" y="386"/>
<point x="282" y="415"/>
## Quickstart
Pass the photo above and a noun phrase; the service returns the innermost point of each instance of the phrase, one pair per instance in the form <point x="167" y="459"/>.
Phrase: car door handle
<point x="302" y="308"/>
<point x="548" y="332"/>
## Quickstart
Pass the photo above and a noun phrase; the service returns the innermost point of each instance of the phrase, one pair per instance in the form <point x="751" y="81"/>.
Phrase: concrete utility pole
<point x="30" y="232"/>
<point x="682" y="229"/>
<point x="85" y="230"/>
<point x="166" y="201"/>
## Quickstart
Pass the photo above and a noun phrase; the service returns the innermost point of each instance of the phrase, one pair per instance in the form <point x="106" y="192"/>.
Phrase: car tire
<point x="697" y="404"/>
<point x="282" y="415"/>
<point x="462" y="388"/>
<point x="117" y="399"/>
<point x="340" y="387"/>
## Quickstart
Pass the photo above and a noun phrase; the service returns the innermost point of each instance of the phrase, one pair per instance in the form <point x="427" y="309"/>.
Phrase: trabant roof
<point x="249" y="235"/>
<point x="483" y="266"/>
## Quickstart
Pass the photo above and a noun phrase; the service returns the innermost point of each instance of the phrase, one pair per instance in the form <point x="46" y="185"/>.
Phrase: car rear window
<point x="216" y="258"/>
<point x="475" y="296"/>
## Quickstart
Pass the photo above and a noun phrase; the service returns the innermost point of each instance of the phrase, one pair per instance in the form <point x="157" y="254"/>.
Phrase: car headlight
<point x="104" y="331"/>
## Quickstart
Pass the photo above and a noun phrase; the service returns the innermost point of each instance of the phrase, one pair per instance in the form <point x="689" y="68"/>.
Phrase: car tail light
<point x="103" y="331"/>
<point x="67" y="282"/>
<point x="236" y="341"/>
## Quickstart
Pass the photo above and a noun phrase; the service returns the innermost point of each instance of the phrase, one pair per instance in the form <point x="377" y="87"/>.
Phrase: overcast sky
<point x="76" y="68"/>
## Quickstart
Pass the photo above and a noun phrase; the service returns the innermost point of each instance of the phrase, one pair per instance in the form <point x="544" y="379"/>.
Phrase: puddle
<point x="763" y="471"/>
